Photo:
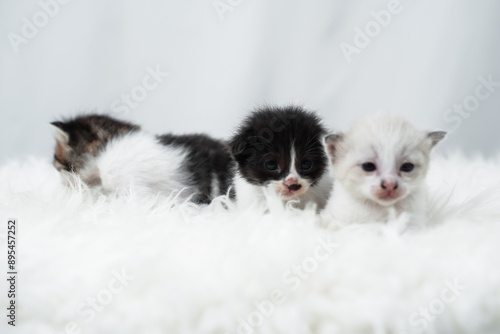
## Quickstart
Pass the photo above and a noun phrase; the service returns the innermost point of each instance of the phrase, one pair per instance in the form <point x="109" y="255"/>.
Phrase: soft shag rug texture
<point x="95" y="264"/>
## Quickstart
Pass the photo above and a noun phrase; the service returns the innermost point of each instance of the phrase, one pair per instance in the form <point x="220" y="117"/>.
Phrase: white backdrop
<point x="223" y="58"/>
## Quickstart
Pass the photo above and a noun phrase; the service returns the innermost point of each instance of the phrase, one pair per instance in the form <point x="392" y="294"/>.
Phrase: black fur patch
<point x="269" y="134"/>
<point x="207" y="158"/>
<point x="87" y="135"/>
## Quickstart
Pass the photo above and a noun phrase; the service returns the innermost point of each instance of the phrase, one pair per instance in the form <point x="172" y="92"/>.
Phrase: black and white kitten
<point x="279" y="153"/>
<point x="118" y="156"/>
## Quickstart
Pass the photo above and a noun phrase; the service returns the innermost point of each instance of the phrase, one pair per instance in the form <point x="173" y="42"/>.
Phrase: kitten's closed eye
<point x="407" y="167"/>
<point x="369" y="167"/>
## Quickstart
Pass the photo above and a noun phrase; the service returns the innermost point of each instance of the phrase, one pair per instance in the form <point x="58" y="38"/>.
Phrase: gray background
<point x="427" y="58"/>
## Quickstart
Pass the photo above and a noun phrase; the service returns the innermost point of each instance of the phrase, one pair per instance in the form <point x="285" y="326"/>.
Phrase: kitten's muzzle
<point x="292" y="183"/>
<point x="291" y="187"/>
<point x="388" y="192"/>
<point x="389" y="185"/>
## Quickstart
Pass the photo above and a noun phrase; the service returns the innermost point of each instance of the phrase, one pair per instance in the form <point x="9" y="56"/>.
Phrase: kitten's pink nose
<point x="389" y="185"/>
<point x="290" y="179"/>
<point x="292" y="183"/>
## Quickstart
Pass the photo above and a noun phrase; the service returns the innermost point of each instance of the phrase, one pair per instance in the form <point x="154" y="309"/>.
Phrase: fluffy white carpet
<point x="91" y="264"/>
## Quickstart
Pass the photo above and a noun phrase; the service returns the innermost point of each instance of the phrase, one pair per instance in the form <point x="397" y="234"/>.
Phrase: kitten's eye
<point x="306" y="165"/>
<point x="407" y="167"/>
<point x="271" y="166"/>
<point x="368" y="167"/>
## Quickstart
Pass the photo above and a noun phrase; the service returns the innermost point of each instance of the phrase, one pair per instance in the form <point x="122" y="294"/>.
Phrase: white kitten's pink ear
<point x="332" y="144"/>
<point x="435" y="137"/>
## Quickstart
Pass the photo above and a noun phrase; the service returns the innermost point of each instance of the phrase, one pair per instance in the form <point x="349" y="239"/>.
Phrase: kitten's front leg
<point x="413" y="216"/>
<point x="247" y="195"/>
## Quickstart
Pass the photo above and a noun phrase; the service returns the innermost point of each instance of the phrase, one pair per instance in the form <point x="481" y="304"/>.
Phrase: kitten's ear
<point x="240" y="148"/>
<point x="62" y="137"/>
<point x="435" y="137"/>
<point x="236" y="145"/>
<point x="331" y="144"/>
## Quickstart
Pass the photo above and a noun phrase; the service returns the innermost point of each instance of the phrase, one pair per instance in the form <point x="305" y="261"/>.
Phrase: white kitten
<point x="379" y="166"/>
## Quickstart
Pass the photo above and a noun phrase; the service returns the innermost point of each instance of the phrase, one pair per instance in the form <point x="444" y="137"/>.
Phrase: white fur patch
<point x="247" y="195"/>
<point x="293" y="162"/>
<point x="215" y="189"/>
<point x="137" y="162"/>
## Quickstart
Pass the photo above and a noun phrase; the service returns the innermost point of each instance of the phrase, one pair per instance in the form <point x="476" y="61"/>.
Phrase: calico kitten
<point x="379" y="166"/>
<point x="118" y="156"/>
<point x="279" y="153"/>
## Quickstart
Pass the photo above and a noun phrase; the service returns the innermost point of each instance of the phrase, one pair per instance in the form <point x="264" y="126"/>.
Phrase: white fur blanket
<point x="90" y="264"/>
